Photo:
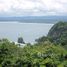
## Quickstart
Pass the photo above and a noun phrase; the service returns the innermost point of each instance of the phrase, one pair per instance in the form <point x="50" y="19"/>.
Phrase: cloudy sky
<point x="33" y="7"/>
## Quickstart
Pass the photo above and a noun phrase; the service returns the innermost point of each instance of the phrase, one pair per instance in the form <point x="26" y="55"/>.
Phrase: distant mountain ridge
<point x="35" y="19"/>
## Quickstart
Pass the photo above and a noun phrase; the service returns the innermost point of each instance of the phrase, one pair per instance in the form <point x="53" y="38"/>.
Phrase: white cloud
<point x="33" y="7"/>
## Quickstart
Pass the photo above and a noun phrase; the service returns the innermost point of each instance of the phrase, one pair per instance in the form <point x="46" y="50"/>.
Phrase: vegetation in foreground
<point x="45" y="53"/>
<point x="38" y="55"/>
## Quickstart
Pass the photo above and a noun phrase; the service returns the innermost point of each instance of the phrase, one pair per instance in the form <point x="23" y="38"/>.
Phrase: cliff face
<point x="58" y="33"/>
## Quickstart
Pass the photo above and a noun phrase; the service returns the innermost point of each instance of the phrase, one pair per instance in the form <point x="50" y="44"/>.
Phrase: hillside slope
<point x="58" y="33"/>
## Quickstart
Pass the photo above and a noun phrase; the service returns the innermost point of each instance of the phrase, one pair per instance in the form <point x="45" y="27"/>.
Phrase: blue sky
<point x="33" y="7"/>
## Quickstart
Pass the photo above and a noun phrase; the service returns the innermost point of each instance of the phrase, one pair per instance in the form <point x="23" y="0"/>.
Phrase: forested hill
<point x="35" y="19"/>
<point x="58" y="33"/>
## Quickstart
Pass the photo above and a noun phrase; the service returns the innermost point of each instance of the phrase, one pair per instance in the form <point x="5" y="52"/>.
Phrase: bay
<point x="29" y="31"/>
